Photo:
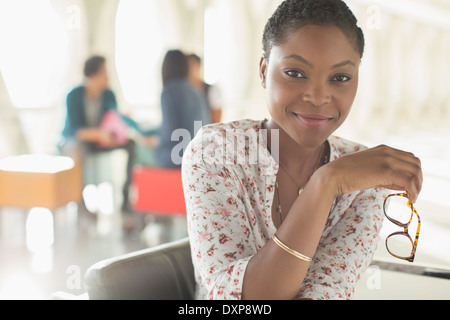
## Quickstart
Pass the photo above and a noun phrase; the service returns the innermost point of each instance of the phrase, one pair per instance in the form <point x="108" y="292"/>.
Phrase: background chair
<point x="158" y="191"/>
<point x="30" y="181"/>
<point x="164" y="272"/>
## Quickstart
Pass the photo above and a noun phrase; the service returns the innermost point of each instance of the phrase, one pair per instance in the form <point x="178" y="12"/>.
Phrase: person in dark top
<point x="210" y="92"/>
<point x="87" y="105"/>
<point x="184" y="112"/>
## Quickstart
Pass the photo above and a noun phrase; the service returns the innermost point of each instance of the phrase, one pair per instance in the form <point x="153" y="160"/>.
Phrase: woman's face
<point x="311" y="81"/>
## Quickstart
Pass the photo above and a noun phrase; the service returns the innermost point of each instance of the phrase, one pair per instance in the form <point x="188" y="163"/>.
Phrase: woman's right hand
<point x="381" y="166"/>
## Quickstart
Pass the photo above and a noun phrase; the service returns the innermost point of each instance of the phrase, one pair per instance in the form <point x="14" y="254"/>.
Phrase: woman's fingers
<point x="406" y="171"/>
<point x="380" y="166"/>
<point x="405" y="182"/>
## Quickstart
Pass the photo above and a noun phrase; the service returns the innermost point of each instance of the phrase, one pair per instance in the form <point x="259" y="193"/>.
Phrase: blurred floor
<point x="36" y="262"/>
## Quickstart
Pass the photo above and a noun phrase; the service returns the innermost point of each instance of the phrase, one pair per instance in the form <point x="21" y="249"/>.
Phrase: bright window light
<point x="138" y="50"/>
<point x="212" y="45"/>
<point x="34" y="42"/>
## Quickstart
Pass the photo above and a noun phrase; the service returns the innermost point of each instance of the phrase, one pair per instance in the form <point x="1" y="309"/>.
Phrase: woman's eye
<point x="294" y="74"/>
<point x="342" y="78"/>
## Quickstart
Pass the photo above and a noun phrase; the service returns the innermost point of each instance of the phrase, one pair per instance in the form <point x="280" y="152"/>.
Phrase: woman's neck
<point x="299" y="159"/>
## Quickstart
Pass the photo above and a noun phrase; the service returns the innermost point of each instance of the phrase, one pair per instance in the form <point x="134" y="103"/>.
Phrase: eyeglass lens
<point x="400" y="213"/>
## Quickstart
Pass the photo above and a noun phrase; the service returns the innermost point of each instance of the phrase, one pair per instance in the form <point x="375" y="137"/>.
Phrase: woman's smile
<point x="313" y="121"/>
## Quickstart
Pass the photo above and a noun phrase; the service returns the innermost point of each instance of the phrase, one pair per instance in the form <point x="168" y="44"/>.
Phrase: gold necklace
<point x="277" y="188"/>
<point x="322" y="156"/>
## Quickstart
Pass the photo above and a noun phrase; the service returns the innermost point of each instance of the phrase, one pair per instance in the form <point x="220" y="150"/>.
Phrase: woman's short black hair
<point x="93" y="65"/>
<point x="293" y="14"/>
<point x="175" y="65"/>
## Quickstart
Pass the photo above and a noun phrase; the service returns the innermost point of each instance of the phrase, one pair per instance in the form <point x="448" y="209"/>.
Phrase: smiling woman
<point x="275" y="242"/>
<point x="325" y="73"/>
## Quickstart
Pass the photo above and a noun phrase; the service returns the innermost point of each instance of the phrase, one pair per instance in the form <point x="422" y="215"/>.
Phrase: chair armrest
<point x="161" y="273"/>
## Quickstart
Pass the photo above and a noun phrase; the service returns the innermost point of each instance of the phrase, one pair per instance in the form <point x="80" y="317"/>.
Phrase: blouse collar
<point x="270" y="166"/>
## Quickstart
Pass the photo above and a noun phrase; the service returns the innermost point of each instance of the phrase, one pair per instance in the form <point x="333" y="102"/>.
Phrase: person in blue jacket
<point x="184" y="112"/>
<point x="86" y="106"/>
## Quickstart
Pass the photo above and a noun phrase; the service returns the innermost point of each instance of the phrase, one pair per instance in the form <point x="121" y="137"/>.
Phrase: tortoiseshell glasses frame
<point x="405" y="227"/>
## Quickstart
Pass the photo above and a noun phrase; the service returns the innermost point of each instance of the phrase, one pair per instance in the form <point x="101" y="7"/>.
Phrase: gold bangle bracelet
<point x="289" y="250"/>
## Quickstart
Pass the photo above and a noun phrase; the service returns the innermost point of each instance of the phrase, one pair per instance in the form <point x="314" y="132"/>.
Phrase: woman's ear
<point x="263" y="71"/>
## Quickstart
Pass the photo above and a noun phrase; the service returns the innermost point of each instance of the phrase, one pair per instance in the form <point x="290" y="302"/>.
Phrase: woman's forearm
<point x="275" y="274"/>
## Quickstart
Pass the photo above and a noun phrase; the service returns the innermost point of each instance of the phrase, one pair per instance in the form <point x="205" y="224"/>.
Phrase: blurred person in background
<point x="210" y="92"/>
<point x="87" y="106"/>
<point x="181" y="107"/>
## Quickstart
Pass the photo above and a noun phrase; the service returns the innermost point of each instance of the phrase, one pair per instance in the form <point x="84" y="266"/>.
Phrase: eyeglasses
<point x="400" y="211"/>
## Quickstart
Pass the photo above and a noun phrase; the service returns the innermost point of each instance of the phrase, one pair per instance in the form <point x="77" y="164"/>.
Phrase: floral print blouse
<point x="229" y="189"/>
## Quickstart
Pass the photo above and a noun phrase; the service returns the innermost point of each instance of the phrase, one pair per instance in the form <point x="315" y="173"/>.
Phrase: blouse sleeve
<point x="347" y="249"/>
<point x="218" y="226"/>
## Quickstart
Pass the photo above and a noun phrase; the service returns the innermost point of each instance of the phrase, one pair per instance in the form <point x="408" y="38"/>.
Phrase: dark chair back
<point x="161" y="273"/>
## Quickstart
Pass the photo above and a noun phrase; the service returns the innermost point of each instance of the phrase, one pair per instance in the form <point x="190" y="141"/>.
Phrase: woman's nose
<point x="317" y="94"/>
